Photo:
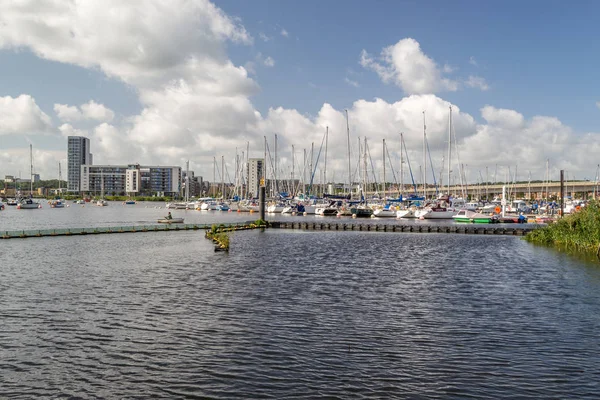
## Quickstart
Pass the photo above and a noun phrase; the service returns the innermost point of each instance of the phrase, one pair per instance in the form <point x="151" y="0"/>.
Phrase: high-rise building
<point x="255" y="174"/>
<point x="78" y="154"/>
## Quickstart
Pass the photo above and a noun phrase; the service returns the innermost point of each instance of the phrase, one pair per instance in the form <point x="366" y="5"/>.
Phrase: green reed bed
<point x="578" y="232"/>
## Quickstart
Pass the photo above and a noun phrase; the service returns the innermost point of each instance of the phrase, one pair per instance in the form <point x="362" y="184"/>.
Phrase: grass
<point x="579" y="232"/>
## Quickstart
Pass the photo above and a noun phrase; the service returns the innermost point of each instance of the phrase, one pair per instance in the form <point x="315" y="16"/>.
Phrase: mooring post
<point x="562" y="192"/>
<point x="262" y="202"/>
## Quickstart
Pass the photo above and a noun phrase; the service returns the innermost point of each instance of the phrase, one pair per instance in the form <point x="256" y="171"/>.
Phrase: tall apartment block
<point x="78" y="154"/>
<point x="255" y="174"/>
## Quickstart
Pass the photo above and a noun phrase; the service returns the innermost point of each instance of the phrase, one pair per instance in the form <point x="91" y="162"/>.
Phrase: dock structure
<point x="496" y="229"/>
<point x="120" y="229"/>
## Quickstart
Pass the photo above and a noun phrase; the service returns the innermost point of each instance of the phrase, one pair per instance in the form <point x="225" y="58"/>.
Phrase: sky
<point x="162" y="82"/>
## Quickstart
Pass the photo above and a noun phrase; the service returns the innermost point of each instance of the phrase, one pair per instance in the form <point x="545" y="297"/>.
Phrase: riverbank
<point x="579" y="232"/>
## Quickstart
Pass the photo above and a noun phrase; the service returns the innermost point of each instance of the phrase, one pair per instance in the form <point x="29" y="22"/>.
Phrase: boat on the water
<point x="361" y="211"/>
<point x="102" y="203"/>
<point x="386" y="211"/>
<point x="474" y="217"/>
<point x="57" y="204"/>
<point x="170" y="221"/>
<point x="129" y="202"/>
<point x="28" y="204"/>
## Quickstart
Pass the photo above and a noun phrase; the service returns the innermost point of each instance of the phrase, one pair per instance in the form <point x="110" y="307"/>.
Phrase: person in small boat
<point x="169" y="216"/>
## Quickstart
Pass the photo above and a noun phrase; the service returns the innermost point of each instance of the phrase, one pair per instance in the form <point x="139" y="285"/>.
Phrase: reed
<point x="578" y="232"/>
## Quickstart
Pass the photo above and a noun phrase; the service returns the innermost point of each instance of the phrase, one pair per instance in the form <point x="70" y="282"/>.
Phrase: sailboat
<point x="29" y="203"/>
<point x="57" y="202"/>
<point x="101" y="202"/>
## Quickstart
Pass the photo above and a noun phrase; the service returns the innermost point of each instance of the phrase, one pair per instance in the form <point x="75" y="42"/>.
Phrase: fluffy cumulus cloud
<point x="405" y="65"/>
<point x="22" y="116"/>
<point x="196" y="103"/>
<point x="87" y="111"/>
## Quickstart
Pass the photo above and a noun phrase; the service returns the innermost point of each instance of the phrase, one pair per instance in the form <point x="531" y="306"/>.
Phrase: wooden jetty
<point x="120" y="229"/>
<point x="480" y="229"/>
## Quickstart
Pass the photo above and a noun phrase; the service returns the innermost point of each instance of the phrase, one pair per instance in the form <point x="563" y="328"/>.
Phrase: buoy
<point x="353" y="215"/>
<point x="421" y="217"/>
<point x="497" y="209"/>
<point x="293" y="212"/>
<point x="304" y="213"/>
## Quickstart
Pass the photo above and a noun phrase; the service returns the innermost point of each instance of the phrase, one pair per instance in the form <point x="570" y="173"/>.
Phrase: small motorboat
<point x="170" y="221"/>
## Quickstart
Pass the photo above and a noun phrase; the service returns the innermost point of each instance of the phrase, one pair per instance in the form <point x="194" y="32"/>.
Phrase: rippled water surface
<point x="290" y="314"/>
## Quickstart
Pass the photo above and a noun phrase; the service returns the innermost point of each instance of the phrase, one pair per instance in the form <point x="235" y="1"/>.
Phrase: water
<point x="291" y="314"/>
<point x="146" y="213"/>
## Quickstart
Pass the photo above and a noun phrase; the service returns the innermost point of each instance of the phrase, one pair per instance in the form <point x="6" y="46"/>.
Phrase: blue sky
<point x="539" y="57"/>
<point x="120" y="73"/>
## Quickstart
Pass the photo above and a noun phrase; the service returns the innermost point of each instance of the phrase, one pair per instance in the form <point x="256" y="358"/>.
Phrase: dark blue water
<point x="288" y="314"/>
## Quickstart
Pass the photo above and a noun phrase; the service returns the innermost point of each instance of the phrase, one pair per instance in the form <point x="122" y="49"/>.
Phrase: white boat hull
<point x="384" y="213"/>
<point x="405" y="214"/>
<point x="430" y="214"/>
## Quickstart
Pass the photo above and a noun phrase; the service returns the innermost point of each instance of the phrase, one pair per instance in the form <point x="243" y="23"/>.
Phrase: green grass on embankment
<point x="579" y="232"/>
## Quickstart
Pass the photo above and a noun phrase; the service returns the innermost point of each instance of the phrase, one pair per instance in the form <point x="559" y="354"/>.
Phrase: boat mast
<point x="31" y="170"/>
<point x="223" y="177"/>
<point x="449" y="147"/>
<point x="384" y="169"/>
<point x="275" y="169"/>
<point x="365" y="177"/>
<point x="293" y="186"/>
<point x="424" y="157"/>
<point x="325" y="163"/>
<point x="214" y="177"/>
<point x="349" y="167"/>
<point x="187" y="180"/>
<point x="265" y="163"/>
<point x="401" y="164"/>
<point x="304" y="175"/>
<point x="247" y="167"/>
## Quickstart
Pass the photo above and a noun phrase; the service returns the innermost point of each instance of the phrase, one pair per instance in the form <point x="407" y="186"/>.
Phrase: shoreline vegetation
<point x="219" y="234"/>
<point x="578" y="232"/>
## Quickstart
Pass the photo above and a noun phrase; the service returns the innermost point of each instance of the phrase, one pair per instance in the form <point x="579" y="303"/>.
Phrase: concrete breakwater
<point x="461" y="229"/>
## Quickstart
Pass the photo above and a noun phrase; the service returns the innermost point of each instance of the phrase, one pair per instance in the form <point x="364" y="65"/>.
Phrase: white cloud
<point x="142" y="43"/>
<point x="477" y="82"/>
<point x="98" y="112"/>
<point x="88" y="111"/>
<point x="502" y="117"/>
<point x="473" y="61"/>
<point x="67" y="113"/>
<point x="351" y="82"/>
<point x="598" y="104"/>
<point x="269" y="62"/>
<point x="68" y="130"/>
<point x="22" y="116"/>
<point x="405" y="65"/>
<point x="264" y="37"/>
<point x="284" y="33"/>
